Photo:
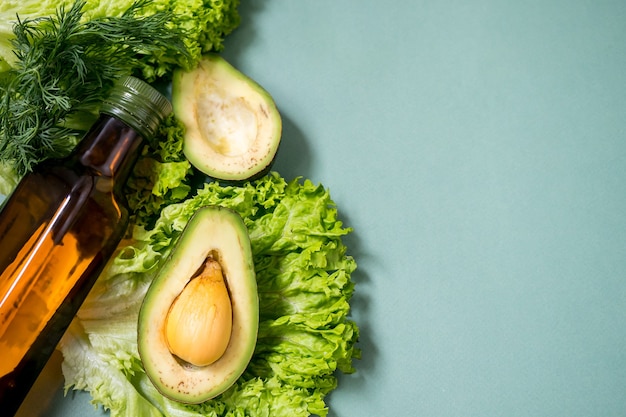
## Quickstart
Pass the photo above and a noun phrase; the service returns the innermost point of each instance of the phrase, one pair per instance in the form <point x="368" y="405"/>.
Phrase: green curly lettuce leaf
<point x="162" y="174"/>
<point x="304" y="282"/>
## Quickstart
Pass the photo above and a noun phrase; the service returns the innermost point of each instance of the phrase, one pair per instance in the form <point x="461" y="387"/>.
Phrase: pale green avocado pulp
<point x="212" y="231"/>
<point x="233" y="128"/>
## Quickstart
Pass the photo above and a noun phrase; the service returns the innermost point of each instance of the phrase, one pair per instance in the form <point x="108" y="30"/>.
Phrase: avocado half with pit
<point x="233" y="128"/>
<point x="199" y="319"/>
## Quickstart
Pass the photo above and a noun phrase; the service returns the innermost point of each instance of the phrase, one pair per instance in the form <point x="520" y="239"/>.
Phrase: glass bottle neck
<point x="110" y="148"/>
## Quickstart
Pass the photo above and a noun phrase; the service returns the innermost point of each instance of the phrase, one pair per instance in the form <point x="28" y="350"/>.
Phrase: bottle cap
<point x="138" y="104"/>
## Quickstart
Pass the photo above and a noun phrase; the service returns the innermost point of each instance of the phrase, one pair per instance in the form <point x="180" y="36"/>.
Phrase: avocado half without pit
<point x="233" y="128"/>
<point x="199" y="319"/>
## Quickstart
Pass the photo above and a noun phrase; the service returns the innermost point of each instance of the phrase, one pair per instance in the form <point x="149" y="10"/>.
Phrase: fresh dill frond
<point x="65" y="67"/>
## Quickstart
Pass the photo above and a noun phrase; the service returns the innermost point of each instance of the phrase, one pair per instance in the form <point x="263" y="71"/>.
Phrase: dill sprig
<point x="64" y="69"/>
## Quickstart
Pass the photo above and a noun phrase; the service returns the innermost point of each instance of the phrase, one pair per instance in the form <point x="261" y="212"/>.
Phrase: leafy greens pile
<point x="302" y="268"/>
<point x="304" y="284"/>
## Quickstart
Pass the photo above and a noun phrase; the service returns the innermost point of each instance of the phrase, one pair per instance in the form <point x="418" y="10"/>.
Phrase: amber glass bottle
<point x="58" y="229"/>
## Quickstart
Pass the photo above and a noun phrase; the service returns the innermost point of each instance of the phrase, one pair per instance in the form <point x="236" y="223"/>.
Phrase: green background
<point x="477" y="149"/>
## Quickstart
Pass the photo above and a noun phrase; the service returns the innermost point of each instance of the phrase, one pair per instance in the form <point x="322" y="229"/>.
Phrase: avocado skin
<point x="212" y="231"/>
<point x="193" y="97"/>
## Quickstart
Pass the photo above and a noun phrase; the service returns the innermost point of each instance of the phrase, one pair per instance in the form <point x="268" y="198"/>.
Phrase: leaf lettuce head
<point x="304" y="282"/>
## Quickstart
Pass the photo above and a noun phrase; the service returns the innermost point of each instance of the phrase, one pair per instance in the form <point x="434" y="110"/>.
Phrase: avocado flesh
<point x="233" y="128"/>
<point x="221" y="233"/>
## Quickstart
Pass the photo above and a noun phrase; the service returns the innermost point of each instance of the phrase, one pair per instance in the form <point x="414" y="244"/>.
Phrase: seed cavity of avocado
<point x="232" y="125"/>
<point x="199" y="322"/>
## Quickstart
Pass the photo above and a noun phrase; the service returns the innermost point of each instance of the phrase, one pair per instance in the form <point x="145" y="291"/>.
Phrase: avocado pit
<point x="199" y="322"/>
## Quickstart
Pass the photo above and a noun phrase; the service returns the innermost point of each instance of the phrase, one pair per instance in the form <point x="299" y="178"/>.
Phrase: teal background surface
<point x="477" y="149"/>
